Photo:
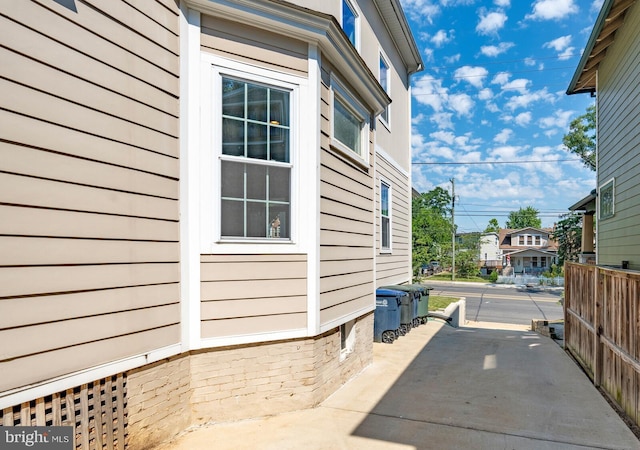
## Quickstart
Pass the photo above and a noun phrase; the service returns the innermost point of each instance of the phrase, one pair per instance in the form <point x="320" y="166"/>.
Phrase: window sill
<point x="349" y="156"/>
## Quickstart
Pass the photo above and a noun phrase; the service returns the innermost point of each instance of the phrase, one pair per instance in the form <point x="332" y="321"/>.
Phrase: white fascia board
<point x="392" y="161"/>
<point x="226" y="341"/>
<point x="309" y="26"/>
<point x="62" y="383"/>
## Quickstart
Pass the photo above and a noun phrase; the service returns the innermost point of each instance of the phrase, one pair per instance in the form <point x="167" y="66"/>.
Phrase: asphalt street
<point x="502" y="304"/>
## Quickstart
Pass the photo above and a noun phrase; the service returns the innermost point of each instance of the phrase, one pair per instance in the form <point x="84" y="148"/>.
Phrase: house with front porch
<point x="527" y="250"/>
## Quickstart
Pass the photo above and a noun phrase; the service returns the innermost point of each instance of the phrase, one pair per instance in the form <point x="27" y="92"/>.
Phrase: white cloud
<point x="445" y="136"/>
<point x="568" y="53"/>
<point x="492" y="107"/>
<point x="596" y="5"/>
<point x="524" y="100"/>
<point x="529" y="61"/>
<point x="418" y="118"/>
<point x="519" y="84"/>
<point x="485" y="94"/>
<point x="503" y="136"/>
<point x="558" y="44"/>
<point x="462" y="104"/>
<point x="523" y="119"/>
<point x="421" y="10"/>
<point x="442" y="37"/>
<point x="506" y="153"/>
<point x="491" y="22"/>
<point x="428" y="54"/>
<point x="502" y="3"/>
<point x="443" y="120"/>
<point x="452" y="59"/>
<point x="552" y="9"/>
<point x="501" y="78"/>
<point x="559" y="119"/>
<point x="495" y="50"/>
<point x="473" y="75"/>
<point x="429" y="91"/>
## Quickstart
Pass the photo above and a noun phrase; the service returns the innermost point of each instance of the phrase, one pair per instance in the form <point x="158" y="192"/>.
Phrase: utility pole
<point x="453" y="229"/>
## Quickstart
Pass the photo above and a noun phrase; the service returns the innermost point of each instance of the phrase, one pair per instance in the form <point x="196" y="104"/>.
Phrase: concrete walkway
<point x="483" y="386"/>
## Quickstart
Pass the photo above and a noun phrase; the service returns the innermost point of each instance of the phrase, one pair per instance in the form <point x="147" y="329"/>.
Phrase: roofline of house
<point x="546" y="252"/>
<point x="401" y="34"/>
<point x="586" y="54"/>
<point x="580" y="205"/>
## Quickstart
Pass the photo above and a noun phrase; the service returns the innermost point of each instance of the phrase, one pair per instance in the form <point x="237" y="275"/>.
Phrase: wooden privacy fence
<point x="97" y="411"/>
<point x="602" y="330"/>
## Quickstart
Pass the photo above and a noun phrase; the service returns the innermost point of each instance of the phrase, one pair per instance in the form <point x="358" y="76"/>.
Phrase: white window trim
<point x="358" y="14"/>
<point x="339" y="89"/>
<point x="387" y="88"/>
<point x="348" y="330"/>
<point x="612" y="182"/>
<point x="390" y="216"/>
<point x="212" y="69"/>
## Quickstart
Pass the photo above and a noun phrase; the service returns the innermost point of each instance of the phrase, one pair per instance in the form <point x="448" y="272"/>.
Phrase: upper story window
<point x="385" y="216"/>
<point x="385" y="82"/>
<point x="255" y="164"/>
<point x="520" y="240"/>
<point x="350" y="22"/>
<point x="349" y="123"/>
<point x="529" y="240"/>
<point x="607" y="199"/>
<point x="538" y="240"/>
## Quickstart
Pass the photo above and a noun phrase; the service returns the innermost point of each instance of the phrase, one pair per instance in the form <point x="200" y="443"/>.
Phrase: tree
<point x="523" y="218"/>
<point x="568" y="235"/>
<point x="581" y="139"/>
<point x="431" y="227"/>
<point x="467" y="251"/>
<point x="493" y="227"/>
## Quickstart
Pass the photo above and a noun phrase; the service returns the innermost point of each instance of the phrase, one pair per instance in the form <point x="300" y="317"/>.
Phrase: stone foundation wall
<point x="239" y="382"/>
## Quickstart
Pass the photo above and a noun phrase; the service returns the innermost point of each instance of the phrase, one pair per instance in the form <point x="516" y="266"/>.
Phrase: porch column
<point x="587" y="233"/>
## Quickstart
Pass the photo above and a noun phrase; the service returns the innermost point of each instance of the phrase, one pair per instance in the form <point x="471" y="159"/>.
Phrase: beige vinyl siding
<point x="252" y="294"/>
<point x="346" y="228"/>
<point x="394" y="267"/>
<point x="89" y="268"/>
<point x="619" y="144"/>
<point x="252" y="45"/>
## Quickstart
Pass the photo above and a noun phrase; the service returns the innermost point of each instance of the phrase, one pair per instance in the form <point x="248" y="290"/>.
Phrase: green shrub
<point x="493" y="276"/>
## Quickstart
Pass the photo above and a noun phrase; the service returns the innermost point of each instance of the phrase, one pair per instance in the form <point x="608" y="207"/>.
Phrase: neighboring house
<point x="587" y="207"/>
<point x="490" y="253"/>
<point x="610" y="71"/>
<point x="528" y="250"/>
<point x="199" y="199"/>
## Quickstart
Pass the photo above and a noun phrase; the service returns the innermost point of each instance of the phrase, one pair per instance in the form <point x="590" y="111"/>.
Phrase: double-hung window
<point x="385" y="216"/>
<point x="350" y="22"/>
<point x="385" y="82"/>
<point x="349" y="123"/>
<point x="255" y="160"/>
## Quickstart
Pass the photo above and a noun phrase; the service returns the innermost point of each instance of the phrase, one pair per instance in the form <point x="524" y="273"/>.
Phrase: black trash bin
<point x="386" y="318"/>
<point x="410" y="317"/>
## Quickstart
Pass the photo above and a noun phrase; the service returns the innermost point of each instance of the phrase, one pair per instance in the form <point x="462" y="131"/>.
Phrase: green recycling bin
<point x="423" y="301"/>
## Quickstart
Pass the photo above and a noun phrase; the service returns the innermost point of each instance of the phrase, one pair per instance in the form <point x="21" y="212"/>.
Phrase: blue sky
<point x="493" y="89"/>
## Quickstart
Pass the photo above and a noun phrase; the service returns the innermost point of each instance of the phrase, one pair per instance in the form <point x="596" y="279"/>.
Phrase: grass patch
<point x="446" y="276"/>
<point x="437" y="302"/>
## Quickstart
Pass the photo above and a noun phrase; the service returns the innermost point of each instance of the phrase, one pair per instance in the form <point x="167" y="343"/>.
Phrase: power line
<point x="474" y="163"/>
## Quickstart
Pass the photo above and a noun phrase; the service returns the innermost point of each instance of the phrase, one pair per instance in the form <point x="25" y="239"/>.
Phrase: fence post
<point x="597" y="325"/>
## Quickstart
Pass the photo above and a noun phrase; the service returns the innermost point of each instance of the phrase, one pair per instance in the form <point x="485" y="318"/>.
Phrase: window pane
<point x="279" y="184"/>
<point x="256" y="219"/>
<point x="279" y="108"/>
<point x="233" y="137"/>
<point x="279" y="221"/>
<point x="346" y="127"/>
<point x="384" y="199"/>
<point x="232" y="98"/>
<point x="232" y="180"/>
<point x="256" y="182"/>
<point x="256" y="141"/>
<point x="384" y="75"/>
<point x="257" y="107"/>
<point x="279" y="144"/>
<point x="385" y="232"/>
<point x="232" y="218"/>
<point x="349" y="21"/>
